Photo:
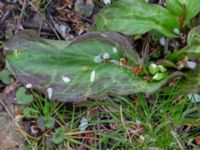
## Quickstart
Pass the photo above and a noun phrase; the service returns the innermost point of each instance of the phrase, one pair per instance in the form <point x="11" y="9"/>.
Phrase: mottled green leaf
<point x="192" y="50"/>
<point x="137" y="17"/>
<point x="184" y="8"/>
<point x="77" y="72"/>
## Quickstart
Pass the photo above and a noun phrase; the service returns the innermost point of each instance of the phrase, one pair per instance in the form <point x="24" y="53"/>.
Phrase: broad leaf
<point x="184" y="8"/>
<point x="137" y="17"/>
<point x="78" y="71"/>
<point x="192" y="50"/>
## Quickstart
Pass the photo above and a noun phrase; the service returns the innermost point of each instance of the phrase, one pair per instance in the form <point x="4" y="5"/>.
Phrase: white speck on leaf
<point x="104" y="35"/>
<point x="191" y="64"/>
<point x="97" y="59"/>
<point x="162" y="41"/>
<point x="83" y="124"/>
<point x="107" y="2"/>
<point x="106" y="56"/>
<point x="29" y="85"/>
<point x="115" y="62"/>
<point x="176" y="31"/>
<point x="50" y="92"/>
<point x="92" y="76"/>
<point x="114" y="49"/>
<point x="66" y="79"/>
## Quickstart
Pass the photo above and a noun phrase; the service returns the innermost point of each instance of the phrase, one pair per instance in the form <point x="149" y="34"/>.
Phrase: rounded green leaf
<point x="22" y="97"/>
<point x="159" y="76"/>
<point x="5" y="77"/>
<point x="58" y="136"/>
<point x="153" y="69"/>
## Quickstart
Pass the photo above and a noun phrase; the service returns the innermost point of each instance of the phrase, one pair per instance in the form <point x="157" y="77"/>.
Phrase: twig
<point x="166" y="45"/>
<point x="21" y="15"/>
<point x="177" y="140"/>
<point x="54" y="30"/>
<point x="4" y="17"/>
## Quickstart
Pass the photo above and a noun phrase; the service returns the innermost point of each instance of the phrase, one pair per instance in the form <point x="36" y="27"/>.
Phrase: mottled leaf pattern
<point x="70" y="72"/>
<point x="184" y="8"/>
<point x="136" y="17"/>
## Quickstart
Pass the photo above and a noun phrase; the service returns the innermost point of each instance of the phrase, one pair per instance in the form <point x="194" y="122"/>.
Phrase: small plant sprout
<point x="66" y="79"/>
<point x="92" y="76"/>
<point x="50" y="92"/>
<point x="158" y="71"/>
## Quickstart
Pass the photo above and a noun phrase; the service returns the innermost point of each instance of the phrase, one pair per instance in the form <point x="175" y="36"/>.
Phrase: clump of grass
<point x="166" y="119"/>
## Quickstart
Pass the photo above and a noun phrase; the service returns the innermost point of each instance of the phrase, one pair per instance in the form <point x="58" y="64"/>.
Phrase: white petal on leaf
<point x="106" y="56"/>
<point x="107" y="2"/>
<point x="114" y="49"/>
<point x="66" y="79"/>
<point x="104" y="35"/>
<point x="195" y="98"/>
<point x="83" y="124"/>
<point x="176" y="31"/>
<point x="97" y="59"/>
<point x="92" y="76"/>
<point x="115" y="62"/>
<point x="191" y="64"/>
<point x="162" y="41"/>
<point x="50" y="92"/>
<point x="29" y="85"/>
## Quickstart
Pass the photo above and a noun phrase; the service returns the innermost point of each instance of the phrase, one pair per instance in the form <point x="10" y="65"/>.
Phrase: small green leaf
<point x="5" y="77"/>
<point x="22" y="97"/>
<point x="162" y="69"/>
<point x="29" y="112"/>
<point x="46" y="122"/>
<point x="159" y="76"/>
<point x="153" y="69"/>
<point x="58" y="136"/>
